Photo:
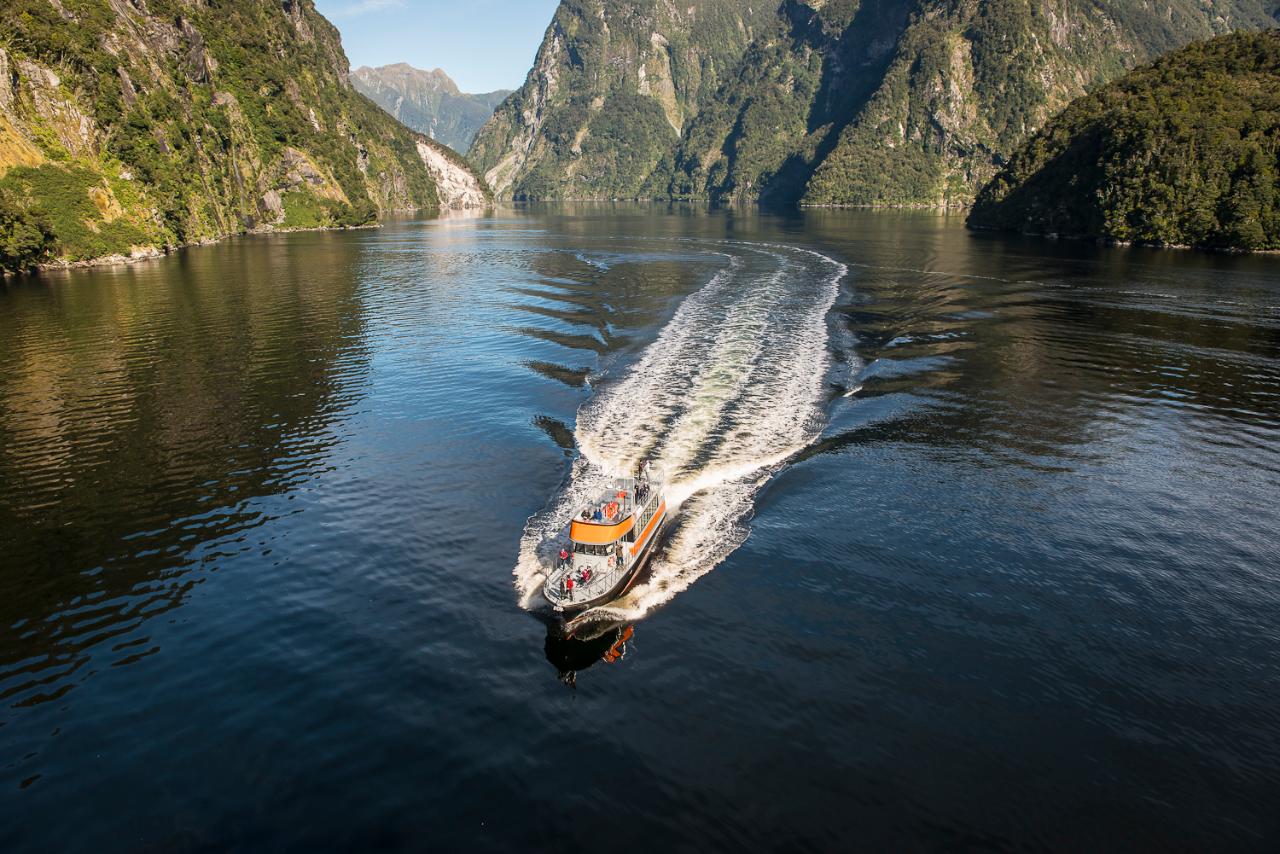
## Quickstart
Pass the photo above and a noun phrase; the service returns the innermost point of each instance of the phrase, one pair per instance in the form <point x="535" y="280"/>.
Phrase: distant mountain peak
<point x="428" y="101"/>
<point x="409" y="75"/>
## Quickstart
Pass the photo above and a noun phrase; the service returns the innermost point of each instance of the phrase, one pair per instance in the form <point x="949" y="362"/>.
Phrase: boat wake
<point x="731" y="388"/>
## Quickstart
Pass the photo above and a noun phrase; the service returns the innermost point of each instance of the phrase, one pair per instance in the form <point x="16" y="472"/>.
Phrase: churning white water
<point x="731" y="388"/>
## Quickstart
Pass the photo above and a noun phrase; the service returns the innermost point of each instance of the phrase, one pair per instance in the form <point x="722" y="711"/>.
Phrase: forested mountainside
<point x="1185" y="151"/>
<point x="614" y="84"/>
<point x="128" y="125"/>
<point x="863" y="102"/>
<point x="428" y="101"/>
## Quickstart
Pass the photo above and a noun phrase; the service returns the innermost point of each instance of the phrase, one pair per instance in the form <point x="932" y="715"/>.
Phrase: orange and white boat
<point x="607" y="544"/>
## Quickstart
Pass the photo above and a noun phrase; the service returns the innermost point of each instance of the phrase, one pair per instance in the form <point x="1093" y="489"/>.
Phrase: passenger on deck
<point x="586" y="514"/>
<point x="568" y="587"/>
<point x="564" y="558"/>
<point x="598" y="515"/>
<point x="586" y="575"/>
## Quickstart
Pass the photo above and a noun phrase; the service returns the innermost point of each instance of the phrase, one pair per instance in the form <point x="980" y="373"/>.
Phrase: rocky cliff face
<point x="456" y="185"/>
<point x="428" y="101"/>
<point x="613" y="86"/>
<point x="127" y="125"/>
<point x="870" y="102"/>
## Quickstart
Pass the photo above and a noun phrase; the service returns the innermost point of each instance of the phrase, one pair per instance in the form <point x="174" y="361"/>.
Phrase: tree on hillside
<point x="26" y="237"/>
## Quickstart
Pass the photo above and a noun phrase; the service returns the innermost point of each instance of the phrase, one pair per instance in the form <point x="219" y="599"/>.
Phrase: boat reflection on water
<point x="607" y="642"/>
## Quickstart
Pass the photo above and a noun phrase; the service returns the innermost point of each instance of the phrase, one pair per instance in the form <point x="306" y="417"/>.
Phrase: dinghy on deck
<point x="607" y="545"/>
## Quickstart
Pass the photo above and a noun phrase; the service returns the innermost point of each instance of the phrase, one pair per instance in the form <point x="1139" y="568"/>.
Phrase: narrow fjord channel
<point x="271" y="510"/>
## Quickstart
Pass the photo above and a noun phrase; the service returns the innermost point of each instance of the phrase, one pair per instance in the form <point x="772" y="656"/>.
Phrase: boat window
<point x="650" y="509"/>
<point x="592" y="549"/>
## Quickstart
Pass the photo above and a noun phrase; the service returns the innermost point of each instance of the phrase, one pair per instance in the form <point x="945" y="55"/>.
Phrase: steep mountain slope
<point x="794" y="89"/>
<point x="127" y="125"/>
<point x="428" y="101"/>
<point x="901" y="102"/>
<point x="966" y="82"/>
<point x="613" y="85"/>
<point x="1184" y="151"/>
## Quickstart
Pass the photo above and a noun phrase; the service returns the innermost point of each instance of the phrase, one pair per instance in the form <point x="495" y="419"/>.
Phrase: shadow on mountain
<point x="857" y="65"/>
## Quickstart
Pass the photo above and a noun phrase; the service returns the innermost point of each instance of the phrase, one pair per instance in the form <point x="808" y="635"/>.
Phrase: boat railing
<point x="581" y="592"/>
<point x="604" y="579"/>
<point x="629" y="502"/>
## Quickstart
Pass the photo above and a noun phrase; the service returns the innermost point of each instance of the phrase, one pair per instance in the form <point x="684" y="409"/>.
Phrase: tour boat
<point x="607" y="544"/>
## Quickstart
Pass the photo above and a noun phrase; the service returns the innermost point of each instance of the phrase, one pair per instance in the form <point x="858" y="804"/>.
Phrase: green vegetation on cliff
<point x="613" y="85"/>
<point x="1185" y="151"/>
<point x="26" y="235"/>
<point x="968" y="81"/>
<point x="142" y="125"/>
<point x="823" y="102"/>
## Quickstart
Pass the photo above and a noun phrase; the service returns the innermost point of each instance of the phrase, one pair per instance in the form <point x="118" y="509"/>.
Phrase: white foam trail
<point x="731" y="389"/>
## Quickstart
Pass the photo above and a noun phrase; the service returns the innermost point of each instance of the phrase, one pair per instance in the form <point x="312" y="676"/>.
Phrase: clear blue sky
<point x="482" y="44"/>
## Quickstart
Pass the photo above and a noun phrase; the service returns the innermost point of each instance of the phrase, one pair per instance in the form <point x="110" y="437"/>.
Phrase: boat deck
<point x="601" y="582"/>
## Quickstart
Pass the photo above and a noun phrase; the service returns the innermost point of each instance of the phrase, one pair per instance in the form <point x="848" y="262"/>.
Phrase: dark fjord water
<point x="978" y="546"/>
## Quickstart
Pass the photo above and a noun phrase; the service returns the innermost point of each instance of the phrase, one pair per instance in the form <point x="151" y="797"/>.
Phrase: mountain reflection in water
<point x="146" y="409"/>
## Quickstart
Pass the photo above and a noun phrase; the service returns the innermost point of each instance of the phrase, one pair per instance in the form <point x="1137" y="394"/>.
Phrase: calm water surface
<point x="977" y="549"/>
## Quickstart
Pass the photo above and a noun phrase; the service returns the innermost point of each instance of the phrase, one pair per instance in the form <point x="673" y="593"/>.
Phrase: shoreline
<point x="956" y="208"/>
<point x="152" y="253"/>
<point x="746" y="203"/>
<point x="1112" y="243"/>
